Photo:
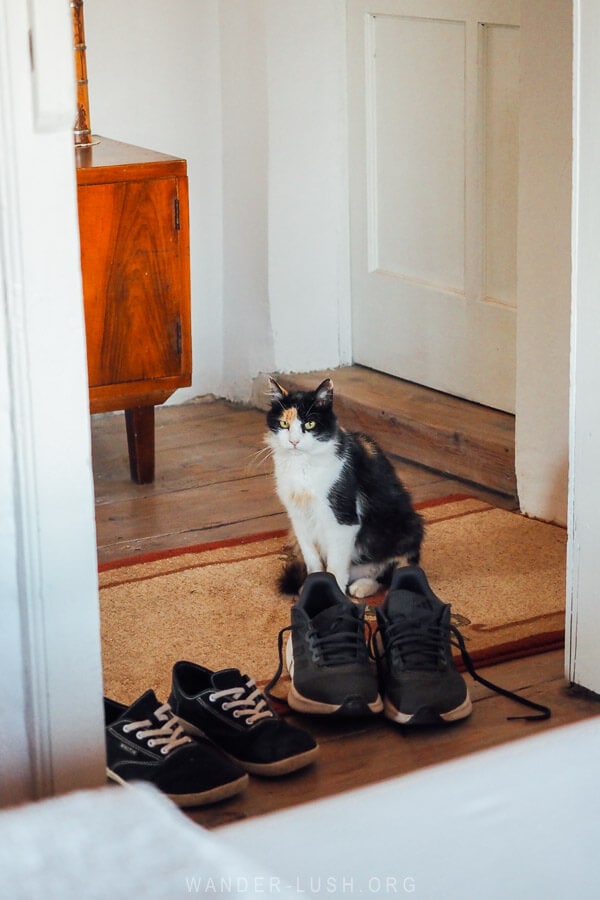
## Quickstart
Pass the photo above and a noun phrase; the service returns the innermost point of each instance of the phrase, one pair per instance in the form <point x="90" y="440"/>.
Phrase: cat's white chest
<point x="304" y="480"/>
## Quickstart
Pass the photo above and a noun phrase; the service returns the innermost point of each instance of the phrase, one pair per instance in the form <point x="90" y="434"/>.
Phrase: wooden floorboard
<point x="213" y="482"/>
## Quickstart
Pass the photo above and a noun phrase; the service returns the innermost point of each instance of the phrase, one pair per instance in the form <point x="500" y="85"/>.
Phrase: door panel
<point x="417" y="167"/>
<point x="434" y="165"/>
<point x="500" y="52"/>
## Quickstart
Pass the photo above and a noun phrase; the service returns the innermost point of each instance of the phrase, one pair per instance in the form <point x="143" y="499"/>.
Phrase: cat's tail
<point x="292" y="577"/>
<point x="293" y="574"/>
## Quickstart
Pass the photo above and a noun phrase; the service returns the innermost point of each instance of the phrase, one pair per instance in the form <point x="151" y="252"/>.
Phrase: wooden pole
<point x="82" y="131"/>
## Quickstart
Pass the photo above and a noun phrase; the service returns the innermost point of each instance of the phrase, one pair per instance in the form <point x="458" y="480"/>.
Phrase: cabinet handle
<point x="177" y="218"/>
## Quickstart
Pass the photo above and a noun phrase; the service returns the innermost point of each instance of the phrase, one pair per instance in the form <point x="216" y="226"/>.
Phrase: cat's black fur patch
<point x="370" y="493"/>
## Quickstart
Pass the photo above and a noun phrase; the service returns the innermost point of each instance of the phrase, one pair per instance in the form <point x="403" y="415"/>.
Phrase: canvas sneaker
<point x="145" y="742"/>
<point x="228" y="708"/>
<point x="420" y="682"/>
<point x="327" y="654"/>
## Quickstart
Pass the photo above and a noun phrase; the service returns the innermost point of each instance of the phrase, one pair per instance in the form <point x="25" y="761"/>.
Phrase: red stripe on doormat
<point x="193" y="548"/>
<point x="177" y="570"/>
<point x="451" y="498"/>
<point x="532" y="645"/>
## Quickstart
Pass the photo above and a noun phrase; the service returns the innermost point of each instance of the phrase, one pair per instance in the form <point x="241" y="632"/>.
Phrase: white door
<point x="433" y="186"/>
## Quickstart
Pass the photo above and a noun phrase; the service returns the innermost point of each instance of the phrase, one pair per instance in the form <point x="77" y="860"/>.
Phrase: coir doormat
<point x="218" y="604"/>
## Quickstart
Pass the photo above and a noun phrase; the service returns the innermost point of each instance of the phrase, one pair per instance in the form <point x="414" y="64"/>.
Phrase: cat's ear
<point x="324" y="393"/>
<point x="276" y="391"/>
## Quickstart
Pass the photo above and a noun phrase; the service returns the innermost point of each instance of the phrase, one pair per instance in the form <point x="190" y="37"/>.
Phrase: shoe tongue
<point x="228" y="678"/>
<point x="144" y="707"/>
<point x="408" y="603"/>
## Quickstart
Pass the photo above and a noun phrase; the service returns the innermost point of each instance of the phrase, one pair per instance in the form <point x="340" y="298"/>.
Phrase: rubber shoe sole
<point x="202" y="798"/>
<point x="426" y="715"/>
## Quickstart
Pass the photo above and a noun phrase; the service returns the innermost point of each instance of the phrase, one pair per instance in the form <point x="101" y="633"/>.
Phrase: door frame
<point x="582" y="661"/>
<point x="50" y="665"/>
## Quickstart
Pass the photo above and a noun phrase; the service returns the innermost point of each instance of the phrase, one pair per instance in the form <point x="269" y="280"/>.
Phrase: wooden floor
<point x="213" y="481"/>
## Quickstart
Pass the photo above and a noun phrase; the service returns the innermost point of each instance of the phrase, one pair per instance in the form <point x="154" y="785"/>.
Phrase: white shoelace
<point x="167" y="737"/>
<point x="253" y="705"/>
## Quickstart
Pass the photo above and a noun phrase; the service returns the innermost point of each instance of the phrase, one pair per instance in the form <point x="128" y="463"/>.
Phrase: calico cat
<point x="350" y="513"/>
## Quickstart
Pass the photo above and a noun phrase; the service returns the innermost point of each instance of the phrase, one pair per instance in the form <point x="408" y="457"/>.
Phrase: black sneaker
<point x="327" y="654"/>
<point x="145" y="742"/>
<point x="420" y="682"/>
<point x="228" y="708"/>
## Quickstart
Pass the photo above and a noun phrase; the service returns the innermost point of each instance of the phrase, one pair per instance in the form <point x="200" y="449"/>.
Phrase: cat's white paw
<point x="363" y="587"/>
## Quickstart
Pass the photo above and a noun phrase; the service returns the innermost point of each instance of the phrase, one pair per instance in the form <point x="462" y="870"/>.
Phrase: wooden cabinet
<point x="134" y="232"/>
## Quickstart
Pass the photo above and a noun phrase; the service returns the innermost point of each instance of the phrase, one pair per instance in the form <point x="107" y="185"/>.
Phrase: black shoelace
<point x="421" y="647"/>
<point x="419" y="643"/>
<point x="268" y="690"/>
<point x="335" y="648"/>
<point x="544" y="712"/>
<point x="341" y="643"/>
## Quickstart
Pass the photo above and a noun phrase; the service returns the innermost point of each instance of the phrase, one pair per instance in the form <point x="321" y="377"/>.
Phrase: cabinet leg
<point x="140" y="441"/>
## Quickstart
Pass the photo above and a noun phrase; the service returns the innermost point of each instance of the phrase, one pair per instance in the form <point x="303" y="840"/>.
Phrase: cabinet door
<point x="136" y="293"/>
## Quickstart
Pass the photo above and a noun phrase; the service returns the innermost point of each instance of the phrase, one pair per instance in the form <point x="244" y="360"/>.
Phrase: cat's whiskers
<point x="260" y="456"/>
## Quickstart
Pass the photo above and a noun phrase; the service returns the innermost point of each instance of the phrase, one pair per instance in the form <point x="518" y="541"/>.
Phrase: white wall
<point x="252" y="94"/>
<point x="154" y="80"/>
<point x="247" y="340"/>
<point x="544" y="259"/>
<point x="308" y="185"/>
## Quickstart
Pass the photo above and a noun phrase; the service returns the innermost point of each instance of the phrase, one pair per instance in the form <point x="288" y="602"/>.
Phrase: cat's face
<point x="301" y="421"/>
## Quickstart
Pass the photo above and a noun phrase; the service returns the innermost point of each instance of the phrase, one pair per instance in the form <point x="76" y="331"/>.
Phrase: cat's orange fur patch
<point x="290" y="415"/>
<point x="301" y="498"/>
<point x="369" y="445"/>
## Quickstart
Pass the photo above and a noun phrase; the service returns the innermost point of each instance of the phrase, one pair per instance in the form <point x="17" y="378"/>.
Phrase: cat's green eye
<point x="308" y="426"/>
<point x="283" y="423"/>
